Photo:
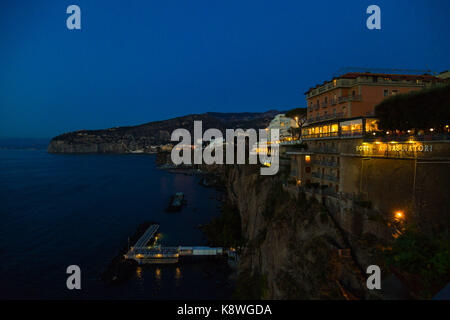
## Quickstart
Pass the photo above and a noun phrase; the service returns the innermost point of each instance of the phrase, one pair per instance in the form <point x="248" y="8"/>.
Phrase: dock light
<point x="431" y="129"/>
<point x="387" y="132"/>
<point x="409" y="131"/>
<point x="374" y="133"/>
<point x="446" y="126"/>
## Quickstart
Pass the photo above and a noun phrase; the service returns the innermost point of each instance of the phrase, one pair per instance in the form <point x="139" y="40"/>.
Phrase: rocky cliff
<point x="141" y="138"/>
<point x="292" y="244"/>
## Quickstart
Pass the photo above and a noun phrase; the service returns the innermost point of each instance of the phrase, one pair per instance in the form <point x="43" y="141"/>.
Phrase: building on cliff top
<point x="345" y="161"/>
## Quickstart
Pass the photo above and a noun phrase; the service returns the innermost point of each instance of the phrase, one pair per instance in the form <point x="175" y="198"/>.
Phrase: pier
<point x="142" y="253"/>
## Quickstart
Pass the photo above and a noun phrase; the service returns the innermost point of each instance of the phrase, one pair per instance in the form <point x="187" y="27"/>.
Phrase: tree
<point x="424" y="109"/>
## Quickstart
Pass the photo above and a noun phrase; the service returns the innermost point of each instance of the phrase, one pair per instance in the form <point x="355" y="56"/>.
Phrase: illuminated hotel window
<point x="371" y="125"/>
<point x="334" y="127"/>
<point x="307" y="159"/>
<point x="334" y="82"/>
<point x="385" y="92"/>
<point x="352" y="126"/>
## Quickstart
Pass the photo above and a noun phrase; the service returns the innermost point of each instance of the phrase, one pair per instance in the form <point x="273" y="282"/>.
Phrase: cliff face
<point x="291" y="242"/>
<point x="141" y="138"/>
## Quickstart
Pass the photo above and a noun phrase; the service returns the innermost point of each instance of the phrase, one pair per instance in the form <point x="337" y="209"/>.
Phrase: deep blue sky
<point x="139" y="61"/>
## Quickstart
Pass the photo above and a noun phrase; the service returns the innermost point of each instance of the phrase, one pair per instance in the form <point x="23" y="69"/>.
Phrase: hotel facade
<point x="345" y="160"/>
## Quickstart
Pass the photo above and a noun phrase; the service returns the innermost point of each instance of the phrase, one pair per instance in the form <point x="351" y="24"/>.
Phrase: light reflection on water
<point x="139" y="273"/>
<point x="178" y="276"/>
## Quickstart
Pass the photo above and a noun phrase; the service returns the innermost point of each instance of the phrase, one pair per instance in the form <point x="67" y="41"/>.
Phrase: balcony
<point x="330" y="116"/>
<point x="320" y="135"/>
<point x="406" y="137"/>
<point x="349" y="98"/>
<point x="330" y="177"/>
<point x="317" y="175"/>
<point x="326" y="163"/>
<point x="352" y="133"/>
<point x="326" y="150"/>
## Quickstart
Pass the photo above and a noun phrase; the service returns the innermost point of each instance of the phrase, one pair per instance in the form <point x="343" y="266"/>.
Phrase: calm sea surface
<point x="59" y="210"/>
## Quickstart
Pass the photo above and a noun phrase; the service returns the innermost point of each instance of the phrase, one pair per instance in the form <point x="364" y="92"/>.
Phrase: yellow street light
<point x="399" y="215"/>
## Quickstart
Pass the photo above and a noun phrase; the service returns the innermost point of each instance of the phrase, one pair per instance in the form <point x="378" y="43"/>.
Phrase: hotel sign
<point x="394" y="149"/>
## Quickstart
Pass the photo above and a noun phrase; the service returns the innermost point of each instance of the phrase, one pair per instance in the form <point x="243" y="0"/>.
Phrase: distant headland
<point x="146" y="138"/>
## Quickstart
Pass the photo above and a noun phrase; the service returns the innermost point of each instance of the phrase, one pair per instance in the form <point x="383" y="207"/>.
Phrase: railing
<point x="329" y="192"/>
<point x="325" y="163"/>
<point x="350" y="98"/>
<point x="324" y="150"/>
<point x="353" y="133"/>
<point x="330" y="177"/>
<point x="327" y="117"/>
<point x="407" y="137"/>
<point x="316" y="175"/>
<point x="320" y="135"/>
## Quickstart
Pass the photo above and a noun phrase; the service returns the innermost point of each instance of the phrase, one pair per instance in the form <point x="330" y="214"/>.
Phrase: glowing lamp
<point x="399" y="214"/>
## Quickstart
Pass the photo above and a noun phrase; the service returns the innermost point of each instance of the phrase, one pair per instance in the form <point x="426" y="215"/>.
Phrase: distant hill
<point x="141" y="137"/>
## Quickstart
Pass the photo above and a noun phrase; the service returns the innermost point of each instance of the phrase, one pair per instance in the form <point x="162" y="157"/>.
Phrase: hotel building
<point x="345" y="159"/>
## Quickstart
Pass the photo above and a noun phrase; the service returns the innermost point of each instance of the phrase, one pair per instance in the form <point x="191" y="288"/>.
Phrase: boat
<point x="176" y="202"/>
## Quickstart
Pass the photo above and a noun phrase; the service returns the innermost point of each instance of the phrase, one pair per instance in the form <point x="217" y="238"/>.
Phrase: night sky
<point x="138" y="61"/>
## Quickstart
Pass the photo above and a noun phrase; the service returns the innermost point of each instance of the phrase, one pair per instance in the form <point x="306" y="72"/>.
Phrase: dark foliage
<point x="225" y="230"/>
<point x="425" y="109"/>
<point x="297" y="112"/>
<point x="427" y="256"/>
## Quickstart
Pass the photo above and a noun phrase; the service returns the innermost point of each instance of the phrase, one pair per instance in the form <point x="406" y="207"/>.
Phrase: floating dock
<point x="144" y="254"/>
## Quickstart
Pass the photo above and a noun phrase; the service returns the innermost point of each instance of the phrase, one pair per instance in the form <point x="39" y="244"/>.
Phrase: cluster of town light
<point x="409" y="131"/>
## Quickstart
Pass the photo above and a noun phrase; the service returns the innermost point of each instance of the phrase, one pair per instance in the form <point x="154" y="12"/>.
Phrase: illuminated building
<point x="345" y="160"/>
